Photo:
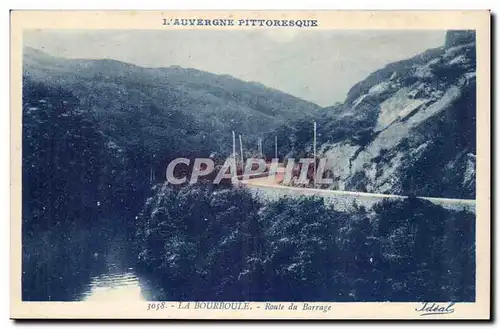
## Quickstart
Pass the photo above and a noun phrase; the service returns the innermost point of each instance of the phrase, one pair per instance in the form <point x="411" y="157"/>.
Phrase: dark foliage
<point x="201" y="243"/>
<point x="61" y="160"/>
<point x="78" y="191"/>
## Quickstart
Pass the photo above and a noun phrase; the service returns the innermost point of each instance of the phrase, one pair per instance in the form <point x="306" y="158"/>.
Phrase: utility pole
<point x="234" y="146"/>
<point x="241" y="151"/>
<point x="314" y="147"/>
<point x="260" y="146"/>
<point x="275" y="147"/>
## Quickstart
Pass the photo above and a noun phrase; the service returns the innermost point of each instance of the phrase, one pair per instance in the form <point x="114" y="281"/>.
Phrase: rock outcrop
<point x="416" y="119"/>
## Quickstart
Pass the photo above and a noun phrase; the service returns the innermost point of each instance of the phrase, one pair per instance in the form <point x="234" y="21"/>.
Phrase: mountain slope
<point x="159" y="110"/>
<point x="408" y="128"/>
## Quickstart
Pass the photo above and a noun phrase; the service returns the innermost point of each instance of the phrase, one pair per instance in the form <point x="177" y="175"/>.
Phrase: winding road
<point x="269" y="187"/>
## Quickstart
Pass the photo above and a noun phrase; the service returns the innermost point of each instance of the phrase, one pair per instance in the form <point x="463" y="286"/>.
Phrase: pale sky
<point x="316" y="65"/>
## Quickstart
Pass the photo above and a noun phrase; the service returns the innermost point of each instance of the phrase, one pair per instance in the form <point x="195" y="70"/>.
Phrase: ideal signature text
<point x="435" y="308"/>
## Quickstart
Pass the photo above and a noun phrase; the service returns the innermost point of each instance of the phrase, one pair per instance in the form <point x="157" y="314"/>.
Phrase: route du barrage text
<point x="246" y="22"/>
<point x="239" y="306"/>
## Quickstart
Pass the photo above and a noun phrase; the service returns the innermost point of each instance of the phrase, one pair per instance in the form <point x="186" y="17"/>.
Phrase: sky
<point x="316" y="65"/>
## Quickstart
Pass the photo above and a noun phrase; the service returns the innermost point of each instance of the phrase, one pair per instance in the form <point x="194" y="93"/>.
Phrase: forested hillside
<point x="98" y="134"/>
<point x="162" y="113"/>
<point x="206" y="243"/>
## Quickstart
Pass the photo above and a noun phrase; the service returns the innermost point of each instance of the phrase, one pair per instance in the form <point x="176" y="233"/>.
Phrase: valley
<point x="397" y="223"/>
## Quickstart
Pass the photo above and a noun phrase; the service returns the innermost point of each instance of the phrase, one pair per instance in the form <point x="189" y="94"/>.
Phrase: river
<point x="85" y="268"/>
<point x="114" y="277"/>
<point x="114" y="287"/>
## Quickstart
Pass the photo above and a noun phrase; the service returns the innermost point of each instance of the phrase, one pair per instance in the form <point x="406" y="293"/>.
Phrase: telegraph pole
<point x="260" y="146"/>
<point x="275" y="147"/>
<point x="314" y="147"/>
<point x="241" y="151"/>
<point x="234" y="146"/>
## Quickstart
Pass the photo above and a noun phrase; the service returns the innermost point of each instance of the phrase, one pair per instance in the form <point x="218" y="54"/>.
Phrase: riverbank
<point x="58" y="264"/>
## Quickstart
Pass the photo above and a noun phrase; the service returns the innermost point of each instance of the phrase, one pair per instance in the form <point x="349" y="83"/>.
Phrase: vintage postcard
<point x="250" y="164"/>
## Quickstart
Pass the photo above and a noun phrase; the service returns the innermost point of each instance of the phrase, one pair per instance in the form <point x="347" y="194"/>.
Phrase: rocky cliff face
<point x="415" y="126"/>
